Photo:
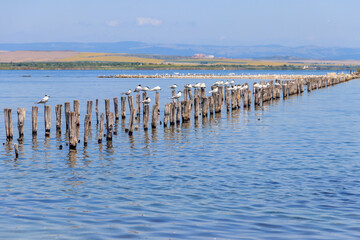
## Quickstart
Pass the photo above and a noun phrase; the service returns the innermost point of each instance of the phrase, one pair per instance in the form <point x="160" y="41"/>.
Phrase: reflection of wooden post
<point x="16" y="149"/>
<point x="123" y="107"/>
<point x="72" y="130"/>
<point x="34" y="117"/>
<point x="77" y="111"/>
<point x="58" y="112"/>
<point x="67" y="115"/>
<point x="116" y="108"/>
<point x="47" y="115"/>
<point x="86" y="128"/>
<point x="97" y="110"/>
<point x="166" y="114"/>
<point x="101" y="127"/>
<point x="146" y="117"/>
<point x="21" y="122"/>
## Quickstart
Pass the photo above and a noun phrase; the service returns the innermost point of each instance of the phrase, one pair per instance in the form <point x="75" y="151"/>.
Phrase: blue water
<point x="290" y="170"/>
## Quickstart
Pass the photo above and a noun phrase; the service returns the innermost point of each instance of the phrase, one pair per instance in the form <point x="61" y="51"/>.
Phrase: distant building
<point x="202" y="55"/>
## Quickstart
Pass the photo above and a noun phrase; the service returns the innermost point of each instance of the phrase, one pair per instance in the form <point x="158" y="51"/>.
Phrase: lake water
<point x="290" y="170"/>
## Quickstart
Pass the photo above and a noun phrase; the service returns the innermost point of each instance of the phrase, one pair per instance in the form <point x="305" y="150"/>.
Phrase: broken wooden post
<point x="132" y="121"/>
<point x="138" y="106"/>
<point x="143" y="98"/>
<point x="172" y="113"/>
<point x="131" y="103"/>
<point x="179" y="111"/>
<point x="72" y="130"/>
<point x="21" y="121"/>
<point x="34" y="117"/>
<point x="109" y="126"/>
<point x="89" y="105"/>
<point x="101" y="127"/>
<point x="67" y="113"/>
<point x="166" y="114"/>
<point x="8" y="123"/>
<point x="77" y="111"/>
<point x="16" y="149"/>
<point x="196" y="107"/>
<point x="86" y="128"/>
<point x="58" y="112"/>
<point x="47" y="116"/>
<point x="155" y="115"/>
<point x="123" y="107"/>
<point x="107" y="107"/>
<point x="205" y="107"/>
<point x="146" y="117"/>
<point x="157" y="96"/>
<point x="116" y="108"/>
<point x="97" y="110"/>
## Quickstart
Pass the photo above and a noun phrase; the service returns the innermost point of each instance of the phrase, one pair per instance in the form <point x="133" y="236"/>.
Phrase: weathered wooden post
<point x="101" y="127"/>
<point x="172" y="113"/>
<point x="67" y="115"/>
<point x="123" y="107"/>
<point x="21" y="121"/>
<point x="166" y="114"/>
<point x="58" y="112"/>
<point x="157" y="96"/>
<point x="138" y="106"/>
<point x="89" y="105"/>
<point x="132" y="121"/>
<point x="143" y="98"/>
<point x="196" y="107"/>
<point x="109" y="126"/>
<point x="179" y="109"/>
<point x="116" y="108"/>
<point x="47" y="116"/>
<point x="77" y="111"/>
<point x="211" y="104"/>
<point x="34" y="117"/>
<point x="16" y="149"/>
<point x="205" y="107"/>
<point x="107" y="107"/>
<point x="72" y="130"/>
<point x="86" y="128"/>
<point x="8" y="123"/>
<point x="155" y="115"/>
<point x="97" y="110"/>
<point x="146" y="117"/>
<point x="131" y="103"/>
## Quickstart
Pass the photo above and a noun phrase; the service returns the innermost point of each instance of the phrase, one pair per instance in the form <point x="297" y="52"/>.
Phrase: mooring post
<point x="21" y="122"/>
<point x="47" y="116"/>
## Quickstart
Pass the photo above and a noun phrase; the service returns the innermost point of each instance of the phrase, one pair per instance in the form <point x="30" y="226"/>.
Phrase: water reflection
<point x="72" y="158"/>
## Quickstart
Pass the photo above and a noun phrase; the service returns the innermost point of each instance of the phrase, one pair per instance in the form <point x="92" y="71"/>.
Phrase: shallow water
<point x="289" y="170"/>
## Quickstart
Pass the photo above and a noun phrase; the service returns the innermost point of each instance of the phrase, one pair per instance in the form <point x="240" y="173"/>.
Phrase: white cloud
<point x="113" y="23"/>
<point x="142" y="21"/>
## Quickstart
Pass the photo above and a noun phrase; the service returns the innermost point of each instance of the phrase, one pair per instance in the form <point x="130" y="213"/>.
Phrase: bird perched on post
<point x="215" y="90"/>
<point x="173" y="86"/>
<point x="157" y="88"/>
<point x="176" y="96"/>
<point x="145" y="89"/>
<point x="138" y="88"/>
<point x="44" y="100"/>
<point x="127" y="93"/>
<point x="146" y="101"/>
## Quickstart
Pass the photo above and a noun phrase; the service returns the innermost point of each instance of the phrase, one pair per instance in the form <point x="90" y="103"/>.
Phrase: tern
<point x="138" y="88"/>
<point x="232" y="82"/>
<point x="173" y="86"/>
<point x="202" y="85"/>
<point x="145" y="89"/>
<point x="127" y="93"/>
<point x="176" y="96"/>
<point x="215" y="90"/>
<point x="197" y="85"/>
<point x="44" y="100"/>
<point x="157" y="88"/>
<point x="146" y="101"/>
<point x="188" y="86"/>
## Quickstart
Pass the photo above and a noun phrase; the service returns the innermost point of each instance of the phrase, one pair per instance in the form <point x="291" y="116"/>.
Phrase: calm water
<point x="290" y="170"/>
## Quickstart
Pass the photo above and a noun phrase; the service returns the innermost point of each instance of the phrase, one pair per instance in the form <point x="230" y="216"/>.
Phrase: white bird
<point x="188" y="86"/>
<point x="138" y="88"/>
<point x="202" y="85"/>
<point x="226" y="83"/>
<point x="44" y="100"/>
<point x="176" y="96"/>
<point x="145" y="89"/>
<point x="157" y="88"/>
<point x="197" y="85"/>
<point x="146" y="101"/>
<point x="173" y="86"/>
<point x="215" y="90"/>
<point x="232" y="82"/>
<point x="127" y="93"/>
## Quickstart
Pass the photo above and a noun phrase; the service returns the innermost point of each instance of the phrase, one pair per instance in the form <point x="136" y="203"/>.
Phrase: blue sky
<point x="226" y="22"/>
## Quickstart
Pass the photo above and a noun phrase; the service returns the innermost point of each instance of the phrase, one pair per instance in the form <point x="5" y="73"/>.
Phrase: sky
<point x="323" y="23"/>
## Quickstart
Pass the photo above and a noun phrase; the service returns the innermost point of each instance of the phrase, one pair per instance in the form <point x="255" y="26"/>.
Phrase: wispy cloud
<point x="113" y="23"/>
<point x="142" y="21"/>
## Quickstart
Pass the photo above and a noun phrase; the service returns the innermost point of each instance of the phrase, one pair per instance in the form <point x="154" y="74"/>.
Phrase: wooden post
<point x="77" y="111"/>
<point x="16" y="149"/>
<point x="211" y="104"/>
<point x="179" y="109"/>
<point x="34" y="117"/>
<point x="86" y="128"/>
<point x="21" y="121"/>
<point x="72" y="130"/>
<point x="143" y="98"/>
<point x="101" y="127"/>
<point x="47" y="116"/>
<point x="196" y="107"/>
<point x="166" y="114"/>
<point x="89" y="110"/>
<point x="132" y="121"/>
<point x="205" y="107"/>
<point x="155" y="115"/>
<point x="138" y="106"/>
<point x="8" y="123"/>
<point x="131" y="103"/>
<point x="146" y="116"/>
<point x="107" y="107"/>
<point x="123" y="107"/>
<point x="172" y="113"/>
<point x="67" y="115"/>
<point x="227" y="99"/>
<point x="58" y="112"/>
<point x="233" y="100"/>
<point x="97" y="110"/>
<point x="157" y="96"/>
<point x="109" y="126"/>
<point x="116" y="108"/>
